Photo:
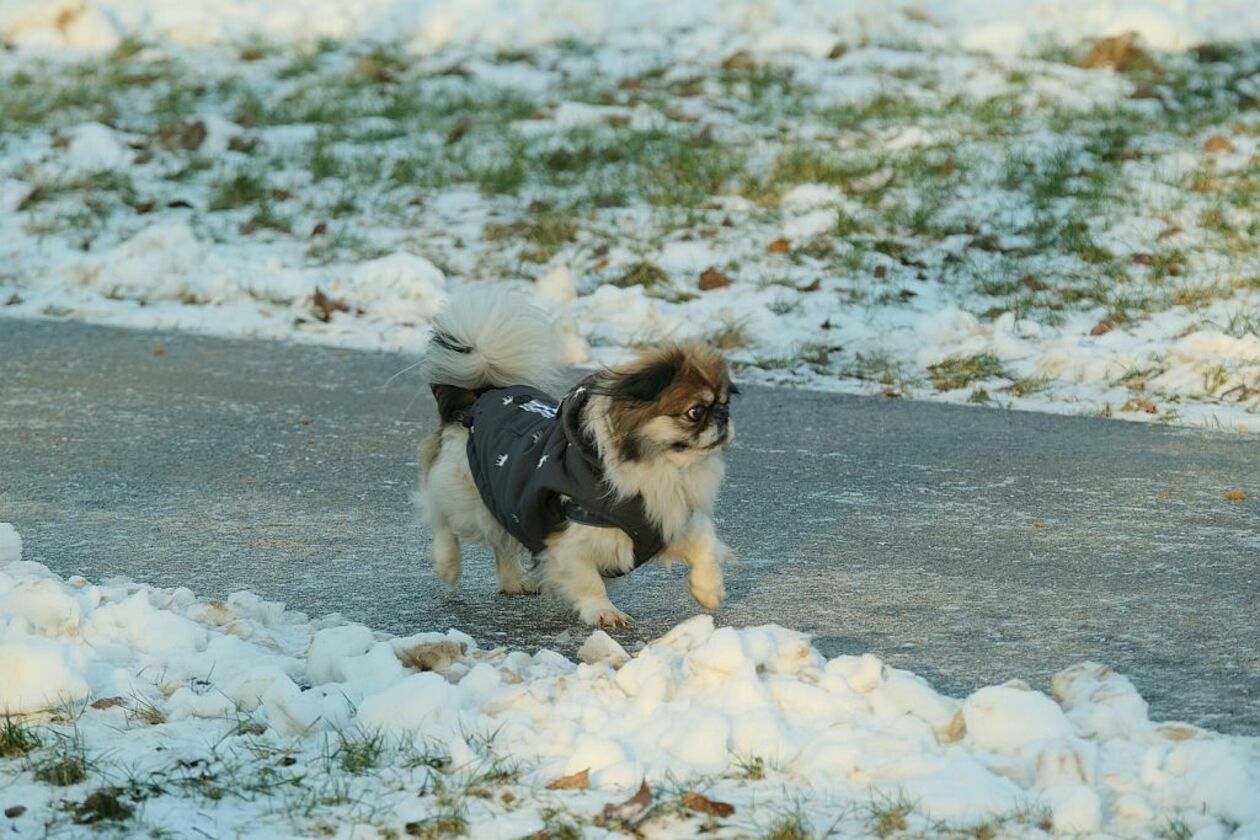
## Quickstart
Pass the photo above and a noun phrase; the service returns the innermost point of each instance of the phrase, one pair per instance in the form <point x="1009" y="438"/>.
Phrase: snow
<point x="808" y="26"/>
<point x="230" y="685"/>
<point x="871" y="312"/>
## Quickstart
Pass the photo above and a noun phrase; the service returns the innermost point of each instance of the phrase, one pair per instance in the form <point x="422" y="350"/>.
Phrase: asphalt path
<point x="969" y="545"/>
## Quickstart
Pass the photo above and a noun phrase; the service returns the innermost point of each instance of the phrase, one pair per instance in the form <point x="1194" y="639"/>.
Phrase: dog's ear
<point x="643" y="385"/>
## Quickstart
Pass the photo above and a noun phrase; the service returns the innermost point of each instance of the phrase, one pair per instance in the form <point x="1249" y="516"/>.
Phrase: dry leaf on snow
<point x="108" y="702"/>
<point x="580" y="780"/>
<point x="633" y="807"/>
<point x="323" y="306"/>
<point x="1102" y="327"/>
<point x="703" y="804"/>
<point x="711" y="278"/>
<point x="1218" y="143"/>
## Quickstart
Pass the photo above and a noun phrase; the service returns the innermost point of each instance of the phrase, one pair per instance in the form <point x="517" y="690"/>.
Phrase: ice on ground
<point x="192" y="696"/>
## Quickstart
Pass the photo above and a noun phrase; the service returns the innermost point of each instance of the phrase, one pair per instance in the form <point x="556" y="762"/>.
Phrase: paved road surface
<point x="968" y="545"/>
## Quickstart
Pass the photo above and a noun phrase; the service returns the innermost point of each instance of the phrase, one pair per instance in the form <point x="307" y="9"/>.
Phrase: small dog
<point x="624" y="469"/>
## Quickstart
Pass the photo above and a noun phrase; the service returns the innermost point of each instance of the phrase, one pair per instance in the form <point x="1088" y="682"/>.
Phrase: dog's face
<point x="672" y="404"/>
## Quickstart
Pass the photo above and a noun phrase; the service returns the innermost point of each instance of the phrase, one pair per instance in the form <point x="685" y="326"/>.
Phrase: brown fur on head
<point x="673" y="402"/>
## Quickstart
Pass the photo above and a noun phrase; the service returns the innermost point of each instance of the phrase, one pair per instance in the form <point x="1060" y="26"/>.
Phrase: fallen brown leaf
<point x="580" y="780"/>
<point x="1218" y="143"/>
<point x="323" y="306"/>
<point x="633" y="807"/>
<point x="1102" y="327"/>
<point x="320" y="229"/>
<point x="1171" y="230"/>
<point x="703" y="804"/>
<point x="1236" y="496"/>
<point x="14" y="811"/>
<point x="107" y="702"/>
<point x="711" y="278"/>
<point x="1140" y="404"/>
<point x="458" y="130"/>
<point x="780" y="246"/>
<point x="739" y="61"/>
<point x="812" y="287"/>
<point x="182" y="135"/>
<point x="1143" y="259"/>
<point x="1120" y="52"/>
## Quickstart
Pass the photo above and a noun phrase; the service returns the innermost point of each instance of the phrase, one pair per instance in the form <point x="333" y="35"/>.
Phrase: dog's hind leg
<point x="447" y="559"/>
<point x="513" y="578"/>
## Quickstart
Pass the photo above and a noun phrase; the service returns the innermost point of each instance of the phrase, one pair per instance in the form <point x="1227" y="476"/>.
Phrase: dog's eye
<point x="695" y="413"/>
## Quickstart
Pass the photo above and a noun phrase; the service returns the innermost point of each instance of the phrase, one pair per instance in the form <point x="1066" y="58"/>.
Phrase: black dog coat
<point x="537" y="470"/>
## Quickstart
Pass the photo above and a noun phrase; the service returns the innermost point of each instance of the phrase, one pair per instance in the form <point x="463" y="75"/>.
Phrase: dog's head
<point x="672" y="403"/>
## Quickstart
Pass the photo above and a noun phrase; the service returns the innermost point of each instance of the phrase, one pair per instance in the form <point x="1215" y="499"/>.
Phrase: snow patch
<point x="696" y="704"/>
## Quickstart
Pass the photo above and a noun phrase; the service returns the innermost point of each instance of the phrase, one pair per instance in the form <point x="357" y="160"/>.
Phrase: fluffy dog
<point x="624" y="469"/>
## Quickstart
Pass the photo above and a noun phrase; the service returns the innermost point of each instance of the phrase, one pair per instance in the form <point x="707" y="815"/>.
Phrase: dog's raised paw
<point x="708" y="592"/>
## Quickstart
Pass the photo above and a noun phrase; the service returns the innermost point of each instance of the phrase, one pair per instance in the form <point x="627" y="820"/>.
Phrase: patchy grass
<point x="959" y="371"/>
<point x="643" y="273"/>
<point x="789" y="825"/>
<point x="359" y="752"/>
<point x="64" y="765"/>
<point x="887" y="816"/>
<point x="1175" y="829"/>
<point x="17" y="739"/>
<point x="1053" y="208"/>
<point x="103" y="806"/>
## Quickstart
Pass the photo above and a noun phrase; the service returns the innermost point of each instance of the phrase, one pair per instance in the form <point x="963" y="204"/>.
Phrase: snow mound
<point x="697" y="703"/>
<point x="10" y="544"/>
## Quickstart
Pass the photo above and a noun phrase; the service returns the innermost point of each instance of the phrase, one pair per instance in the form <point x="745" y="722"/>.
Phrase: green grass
<point x="960" y="371"/>
<point x="238" y="189"/>
<point x="65" y="764"/>
<point x="645" y="274"/>
<point x="359" y="752"/>
<point x="993" y="189"/>
<point x="1175" y="829"/>
<point x="17" y="739"/>
<point x="887" y="816"/>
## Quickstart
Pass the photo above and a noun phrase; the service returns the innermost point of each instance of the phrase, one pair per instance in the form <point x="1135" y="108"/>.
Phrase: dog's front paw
<point x="603" y="614"/>
<point x="707" y="588"/>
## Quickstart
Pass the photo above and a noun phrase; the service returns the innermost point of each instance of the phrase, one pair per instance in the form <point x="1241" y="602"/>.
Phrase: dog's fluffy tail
<point x="492" y="338"/>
